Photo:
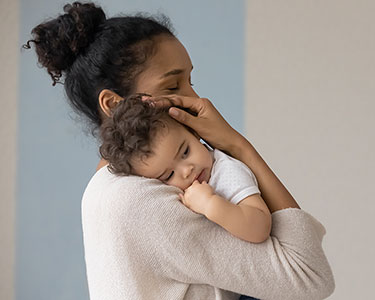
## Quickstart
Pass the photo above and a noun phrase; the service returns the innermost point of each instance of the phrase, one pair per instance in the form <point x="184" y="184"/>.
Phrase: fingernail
<point x="173" y="112"/>
<point x="144" y="98"/>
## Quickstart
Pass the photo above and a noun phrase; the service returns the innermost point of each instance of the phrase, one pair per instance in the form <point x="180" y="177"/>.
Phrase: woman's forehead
<point x="169" y="55"/>
<point x="169" y="61"/>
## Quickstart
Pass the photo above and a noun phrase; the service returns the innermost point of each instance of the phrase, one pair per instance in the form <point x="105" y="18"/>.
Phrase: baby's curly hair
<point x="129" y="133"/>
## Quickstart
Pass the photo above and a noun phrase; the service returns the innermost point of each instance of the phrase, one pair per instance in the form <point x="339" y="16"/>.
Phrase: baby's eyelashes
<point x="170" y="176"/>
<point x="185" y="154"/>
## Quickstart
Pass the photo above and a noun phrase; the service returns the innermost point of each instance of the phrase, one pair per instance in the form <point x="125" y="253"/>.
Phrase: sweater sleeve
<point x="188" y="248"/>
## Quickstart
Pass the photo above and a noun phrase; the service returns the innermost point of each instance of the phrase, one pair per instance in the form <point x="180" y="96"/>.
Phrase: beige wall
<point x="310" y="111"/>
<point x="9" y="52"/>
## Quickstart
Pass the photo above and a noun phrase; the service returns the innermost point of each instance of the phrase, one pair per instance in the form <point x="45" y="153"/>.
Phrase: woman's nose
<point x="190" y="92"/>
<point x="193" y="93"/>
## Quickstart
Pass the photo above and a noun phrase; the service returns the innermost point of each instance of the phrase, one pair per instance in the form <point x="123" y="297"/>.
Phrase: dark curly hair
<point x="93" y="53"/>
<point x="130" y="132"/>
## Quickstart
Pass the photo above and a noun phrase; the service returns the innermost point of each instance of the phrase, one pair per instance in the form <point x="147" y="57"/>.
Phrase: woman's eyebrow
<point x="174" y="72"/>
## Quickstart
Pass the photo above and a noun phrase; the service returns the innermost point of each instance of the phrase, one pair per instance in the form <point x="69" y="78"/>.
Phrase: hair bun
<point x="58" y="42"/>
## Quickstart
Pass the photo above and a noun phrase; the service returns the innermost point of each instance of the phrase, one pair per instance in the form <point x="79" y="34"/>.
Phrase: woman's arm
<point x="212" y="127"/>
<point x="141" y="242"/>
<point x="273" y="191"/>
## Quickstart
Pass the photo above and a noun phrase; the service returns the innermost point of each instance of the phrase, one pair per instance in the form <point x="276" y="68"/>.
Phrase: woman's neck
<point x="101" y="164"/>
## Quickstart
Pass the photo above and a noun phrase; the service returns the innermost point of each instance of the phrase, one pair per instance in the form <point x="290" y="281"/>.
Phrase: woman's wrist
<point x="273" y="191"/>
<point x="238" y="147"/>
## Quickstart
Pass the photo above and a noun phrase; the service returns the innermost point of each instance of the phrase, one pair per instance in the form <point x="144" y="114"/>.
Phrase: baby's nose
<point x="187" y="171"/>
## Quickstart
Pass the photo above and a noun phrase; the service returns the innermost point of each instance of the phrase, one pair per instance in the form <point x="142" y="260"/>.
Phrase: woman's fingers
<point x="182" y="116"/>
<point x="192" y="103"/>
<point x="204" y="119"/>
<point x="191" y="112"/>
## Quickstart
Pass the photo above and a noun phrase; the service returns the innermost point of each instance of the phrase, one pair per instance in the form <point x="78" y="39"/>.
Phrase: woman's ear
<point x="108" y="101"/>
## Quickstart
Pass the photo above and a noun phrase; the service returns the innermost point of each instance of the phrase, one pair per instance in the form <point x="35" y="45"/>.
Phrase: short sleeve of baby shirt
<point x="232" y="179"/>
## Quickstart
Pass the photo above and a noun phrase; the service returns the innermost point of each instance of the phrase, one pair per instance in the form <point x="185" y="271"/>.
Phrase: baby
<point x="142" y="140"/>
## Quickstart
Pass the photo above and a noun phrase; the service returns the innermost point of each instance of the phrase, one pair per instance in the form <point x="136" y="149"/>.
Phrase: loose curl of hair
<point x="93" y="53"/>
<point x="130" y="132"/>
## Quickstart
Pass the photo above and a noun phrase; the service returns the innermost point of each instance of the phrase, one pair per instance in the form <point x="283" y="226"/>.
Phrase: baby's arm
<point x="250" y="220"/>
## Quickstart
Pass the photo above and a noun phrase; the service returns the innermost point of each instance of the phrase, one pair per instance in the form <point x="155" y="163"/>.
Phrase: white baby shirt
<point x="232" y="179"/>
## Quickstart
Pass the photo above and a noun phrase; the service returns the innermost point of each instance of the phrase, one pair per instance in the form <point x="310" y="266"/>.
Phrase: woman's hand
<point x="212" y="127"/>
<point x="206" y="121"/>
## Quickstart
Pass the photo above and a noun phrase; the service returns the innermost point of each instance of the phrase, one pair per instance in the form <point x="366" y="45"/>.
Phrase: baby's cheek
<point x="180" y="185"/>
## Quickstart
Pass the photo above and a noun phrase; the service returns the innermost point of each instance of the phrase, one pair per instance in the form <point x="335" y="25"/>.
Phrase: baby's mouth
<point x="201" y="176"/>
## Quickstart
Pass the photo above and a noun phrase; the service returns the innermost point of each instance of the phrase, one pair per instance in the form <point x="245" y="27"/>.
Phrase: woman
<point x="140" y="241"/>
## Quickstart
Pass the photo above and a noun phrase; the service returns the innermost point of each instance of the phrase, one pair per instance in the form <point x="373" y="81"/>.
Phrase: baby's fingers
<point x="181" y="198"/>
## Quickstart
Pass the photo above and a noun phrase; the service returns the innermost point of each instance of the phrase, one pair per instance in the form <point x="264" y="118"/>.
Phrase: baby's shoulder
<point x="224" y="160"/>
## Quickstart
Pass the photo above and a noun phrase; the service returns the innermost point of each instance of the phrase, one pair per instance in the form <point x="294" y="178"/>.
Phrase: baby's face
<point x="178" y="158"/>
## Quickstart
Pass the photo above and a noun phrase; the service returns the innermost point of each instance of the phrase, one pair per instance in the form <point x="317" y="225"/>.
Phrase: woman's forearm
<point x="273" y="191"/>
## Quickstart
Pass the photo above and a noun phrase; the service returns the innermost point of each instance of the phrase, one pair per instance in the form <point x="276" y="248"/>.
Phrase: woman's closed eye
<point x="176" y="87"/>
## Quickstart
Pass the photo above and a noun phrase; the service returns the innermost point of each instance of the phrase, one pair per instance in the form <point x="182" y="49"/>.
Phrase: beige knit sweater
<point x="142" y="243"/>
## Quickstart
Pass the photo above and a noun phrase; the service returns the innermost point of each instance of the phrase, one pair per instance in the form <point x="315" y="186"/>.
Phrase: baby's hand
<point x="197" y="196"/>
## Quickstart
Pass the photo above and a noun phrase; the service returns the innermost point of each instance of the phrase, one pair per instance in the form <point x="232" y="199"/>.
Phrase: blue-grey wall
<point x="56" y="160"/>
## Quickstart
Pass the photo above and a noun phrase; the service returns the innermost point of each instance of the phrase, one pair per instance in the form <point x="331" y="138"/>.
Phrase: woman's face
<point x="168" y="71"/>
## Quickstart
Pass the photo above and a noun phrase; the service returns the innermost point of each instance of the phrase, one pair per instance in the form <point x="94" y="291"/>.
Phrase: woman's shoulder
<point x="103" y="180"/>
<point x="117" y="206"/>
<point x="108" y="191"/>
